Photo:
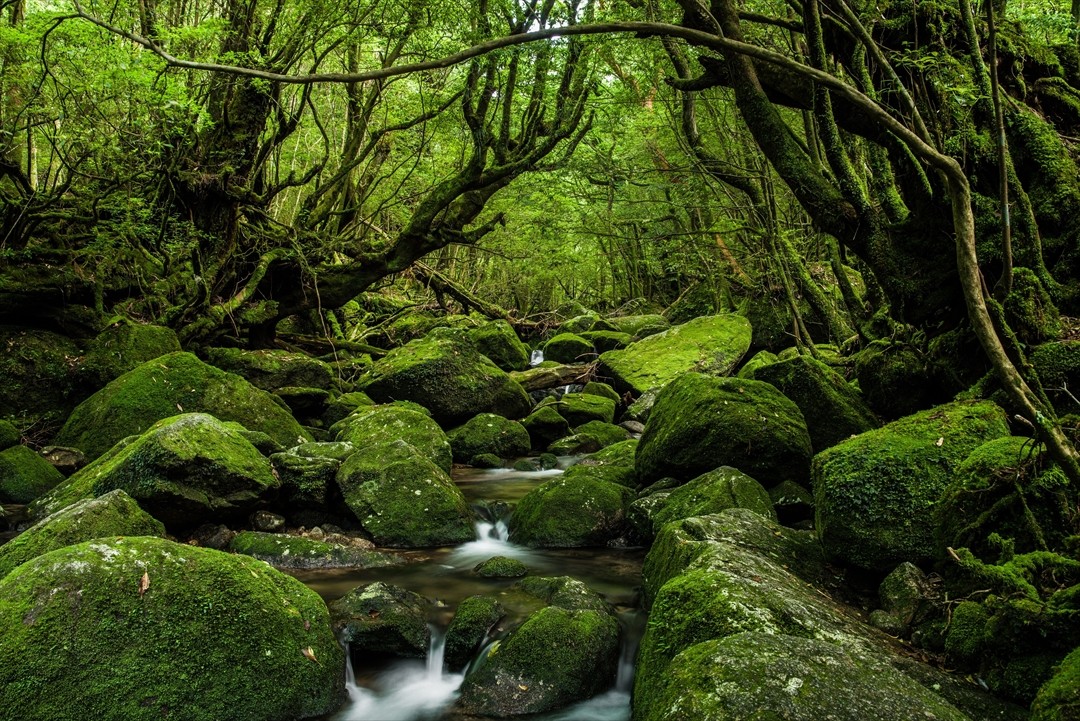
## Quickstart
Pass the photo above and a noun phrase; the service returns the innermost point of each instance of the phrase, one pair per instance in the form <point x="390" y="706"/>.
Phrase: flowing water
<point x="407" y="690"/>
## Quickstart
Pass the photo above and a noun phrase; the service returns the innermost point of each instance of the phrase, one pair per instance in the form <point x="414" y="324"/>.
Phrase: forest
<point x="649" y="360"/>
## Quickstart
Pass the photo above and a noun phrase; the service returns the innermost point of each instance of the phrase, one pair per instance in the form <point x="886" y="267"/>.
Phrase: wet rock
<point x="288" y="551"/>
<point x="569" y="348"/>
<point x="267" y="522"/>
<point x="545" y="426"/>
<point x="571" y="512"/>
<point x="634" y="427"/>
<point x="212" y="535"/>
<point x="25" y="476"/>
<point x="371" y="425"/>
<point x="589" y="438"/>
<point x="65" y="460"/>
<point x="468" y="630"/>
<point x="501" y="567"/>
<point x="382" y="618"/>
<point x="580" y="408"/>
<point x="488" y="434"/>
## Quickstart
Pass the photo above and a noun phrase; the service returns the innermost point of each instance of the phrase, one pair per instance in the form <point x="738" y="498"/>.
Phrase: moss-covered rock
<point x="9" y="435"/>
<point x="469" y="629"/>
<point x="488" y="433"/>
<point x="305" y="482"/>
<point x="710" y="492"/>
<point x="1029" y="310"/>
<point x="712" y="345"/>
<point x="904" y="593"/>
<point x="545" y="425"/>
<point x="381" y="618"/>
<point x="640" y="409"/>
<point x="579" y="408"/>
<point x="875" y="494"/>
<point x="792" y="503"/>
<point x="565" y="513"/>
<point x="894" y="379"/>
<point x="603" y="390"/>
<point x="760" y="359"/>
<point x="273" y="369"/>
<point x="967" y="631"/>
<point x="372" y="425"/>
<point x="579" y="322"/>
<point x="559" y="655"/>
<point x="589" y="438"/>
<point x="1058" y="366"/>
<point x="766" y="676"/>
<point x="36" y="374"/>
<point x="285" y="551"/>
<point x="1059" y="698"/>
<point x="639" y="325"/>
<point x="25" y="476"/>
<point x="833" y="410"/>
<point x="343" y="406"/>
<point x="700" y="423"/>
<point x="448" y="376"/>
<point x="161" y="387"/>
<point x="569" y="348"/>
<point x="306" y="404"/>
<point x="402" y="499"/>
<point x="605" y="340"/>
<point x="120" y="348"/>
<point x="140" y="628"/>
<point x="501" y="567"/>
<point x="113" y="514"/>
<point x="614" y="464"/>
<point x="498" y="341"/>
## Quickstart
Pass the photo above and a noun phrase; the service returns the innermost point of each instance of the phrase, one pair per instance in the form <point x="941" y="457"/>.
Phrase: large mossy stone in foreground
<point x="498" y="341"/>
<point x="833" y="410"/>
<point x="209" y="636"/>
<point x="171" y="384"/>
<point x="1059" y="698"/>
<point x="489" y="433"/>
<point x="875" y="494"/>
<point x="700" y="423"/>
<point x="120" y="348"/>
<point x="567" y="512"/>
<point x="712" y="345"/>
<point x="768" y="676"/>
<point x="402" y="499"/>
<point x="380" y="618"/>
<point x="449" y="377"/>
<point x="114" y="514"/>
<point x="25" y="476"/>
<point x="273" y="369"/>
<point x="369" y="425"/>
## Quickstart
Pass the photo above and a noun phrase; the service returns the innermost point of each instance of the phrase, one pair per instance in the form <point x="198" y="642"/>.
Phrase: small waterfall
<point x="492" y="539"/>
<point x="536" y="358"/>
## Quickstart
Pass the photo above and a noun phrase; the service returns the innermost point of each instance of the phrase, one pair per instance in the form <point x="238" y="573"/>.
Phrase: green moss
<point x="158" y="389"/>
<point x="700" y="422"/>
<point x="305" y="482"/>
<point x="713" y="492"/>
<point x="25" y="476"/>
<point x="569" y="348"/>
<point x="639" y="325"/>
<point x="579" y="408"/>
<point x="342" y="406"/>
<point x="894" y="379"/>
<point x="1058" y="367"/>
<point x="1059" y="698"/>
<point x="712" y="345"/>
<point x="382" y="619"/>
<point x="389" y="423"/>
<point x="620" y="473"/>
<point x="1029" y="310"/>
<point x="605" y="340"/>
<point x="545" y="425"/>
<point x="967" y="631"/>
<point x="488" y="433"/>
<point x="501" y="567"/>
<point x="564" y="513"/>
<point x="120" y="348"/>
<point x="402" y="499"/>
<point x="81" y="641"/>
<point x="113" y="514"/>
<point x="579" y="323"/>
<point x="761" y="359"/>
<point x="875" y="494"/>
<point x="700" y="300"/>
<point x="589" y="438"/>
<point x="273" y="369"/>
<point x="469" y="629"/>
<point x="603" y="390"/>
<point x="9" y="435"/>
<point x="36" y="378"/>
<point x="284" y="551"/>
<point x="498" y="341"/>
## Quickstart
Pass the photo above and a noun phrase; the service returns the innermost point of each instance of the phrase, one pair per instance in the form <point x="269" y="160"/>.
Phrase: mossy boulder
<point x="641" y="408"/>
<point x="894" y="379"/>
<point x="402" y="499"/>
<point x="372" y="425"/>
<point x="1058" y="366"/>
<point x="307" y="473"/>
<point x="1029" y="309"/>
<point x="111" y="515"/>
<point x="766" y="676"/>
<point x="1059" y="698"/>
<point x="140" y="628"/>
<point x="569" y="348"/>
<point x="285" y="551"/>
<point x="488" y="433"/>
<point x="381" y="618"/>
<point x="9" y="435"/>
<point x="608" y="473"/>
<point x="639" y="325"/>
<point x="342" y="406"/>
<point x="579" y="323"/>
<point x="78" y="487"/>
<point x="36" y="374"/>
<point x="448" y="376"/>
<point x="833" y="410"/>
<point x="605" y="340"/>
<point x="565" y="513"/>
<point x="120" y="348"/>
<point x="759" y="360"/>
<point x="712" y="345"/>
<point x="594" y="388"/>
<point x="711" y="492"/>
<point x="792" y="503"/>
<point x="158" y="389"/>
<point x="579" y="408"/>
<point x="589" y="438"/>
<point x="501" y="567"/>
<point x="25" y="475"/>
<point x="498" y="341"/>
<point x="469" y="628"/>
<point x="701" y="422"/>
<point x="273" y="369"/>
<point x="875" y="494"/>
<point x="562" y="653"/>
<point x="614" y="464"/>
<point x="545" y="425"/>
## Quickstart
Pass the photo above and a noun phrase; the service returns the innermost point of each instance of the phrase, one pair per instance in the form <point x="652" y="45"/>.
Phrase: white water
<point x="492" y="539"/>
<point x="536" y="358"/>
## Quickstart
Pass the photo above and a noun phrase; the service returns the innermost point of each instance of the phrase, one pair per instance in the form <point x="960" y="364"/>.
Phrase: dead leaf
<point x="144" y="583"/>
<point x="307" y="625"/>
<point x="309" y="654"/>
<point x="373" y="613"/>
<point x="523" y="688"/>
<point x="940" y="442"/>
<point x="179" y="408"/>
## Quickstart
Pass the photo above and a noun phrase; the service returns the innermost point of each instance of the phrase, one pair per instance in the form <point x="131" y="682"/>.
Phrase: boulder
<point x="700" y="423"/>
<point x="9" y="435"/>
<point x="712" y="345"/>
<point x="614" y="464"/>
<point x="342" y="406"/>
<point x="875" y="493"/>
<point x="448" y="376"/>
<point x="25" y="475"/>
<point x="894" y="379"/>
<point x="579" y="323"/>
<point x="571" y="512"/>
<point x="65" y="460"/>
<point x="544" y="426"/>
<point x="501" y="567"/>
<point x="111" y="515"/>
<point x="605" y="340"/>
<point x="307" y="473"/>
<point x="370" y="425"/>
<point x="1059" y="698"/>
<point x="589" y="438"/>
<point x="833" y="410"/>
<point x="402" y="499"/>
<point x="594" y="388"/>
<point x="273" y="369"/>
<point x="162" y="387"/>
<point x="711" y="492"/>
<point x="141" y="627"/>
<point x="792" y="503"/>
<point x="562" y="653"/>
<point x="639" y="325"/>
<point x="36" y="378"/>
<point x="498" y="341"/>
<point x="578" y="408"/>
<point x="284" y="551"/>
<point x="474" y="618"/>
<point x="1058" y="366"/>
<point x="120" y="348"/>
<point x="381" y="618"/>
<point x="569" y="348"/>
<point x="488" y="433"/>
<point x="760" y="359"/>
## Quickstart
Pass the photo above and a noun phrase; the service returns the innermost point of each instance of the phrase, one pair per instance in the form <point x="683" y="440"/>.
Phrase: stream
<point x="421" y="690"/>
